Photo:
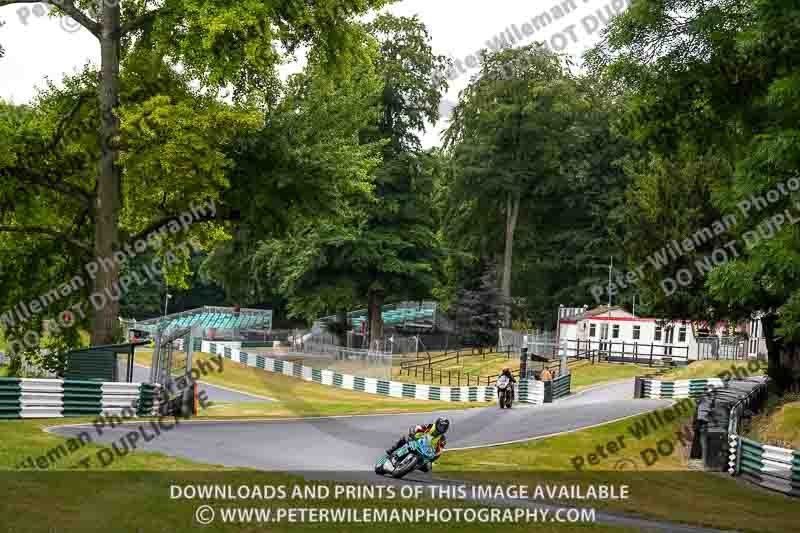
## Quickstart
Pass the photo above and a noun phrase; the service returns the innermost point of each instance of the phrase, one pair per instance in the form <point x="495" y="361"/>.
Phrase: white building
<point x="615" y="331"/>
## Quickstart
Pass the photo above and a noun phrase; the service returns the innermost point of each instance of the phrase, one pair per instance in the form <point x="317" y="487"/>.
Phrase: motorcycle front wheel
<point x="408" y="464"/>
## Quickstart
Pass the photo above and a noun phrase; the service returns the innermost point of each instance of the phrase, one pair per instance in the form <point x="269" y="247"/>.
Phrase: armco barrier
<point x="686" y="388"/>
<point x="527" y="391"/>
<point x="557" y="388"/>
<point x="59" y="398"/>
<point x="769" y="466"/>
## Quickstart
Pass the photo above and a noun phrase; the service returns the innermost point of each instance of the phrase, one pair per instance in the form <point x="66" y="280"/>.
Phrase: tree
<point x="172" y="157"/>
<point x="478" y="310"/>
<point x="711" y="99"/>
<point x="508" y="135"/>
<point x="321" y="186"/>
<point x="217" y="44"/>
<point x="399" y="239"/>
<point x="565" y="249"/>
<point x="382" y="244"/>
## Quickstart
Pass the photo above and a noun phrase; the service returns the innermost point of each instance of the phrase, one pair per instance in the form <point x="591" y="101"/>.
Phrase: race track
<point x="351" y="444"/>
<point x="345" y="448"/>
<point x="215" y="393"/>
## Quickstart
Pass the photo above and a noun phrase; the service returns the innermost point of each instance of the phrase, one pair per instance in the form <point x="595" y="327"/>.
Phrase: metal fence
<point x="367" y="363"/>
<point x="543" y="344"/>
<point x="510" y="337"/>
<point x="399" y="344"/>
<point x="319" y="348"/>
<point x="721" y="348"/>
<point x="536" y="340"/>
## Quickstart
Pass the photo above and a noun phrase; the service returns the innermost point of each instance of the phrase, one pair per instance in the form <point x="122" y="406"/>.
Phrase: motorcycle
<point x="416" y="453"/>
<point x="505" y="392"/>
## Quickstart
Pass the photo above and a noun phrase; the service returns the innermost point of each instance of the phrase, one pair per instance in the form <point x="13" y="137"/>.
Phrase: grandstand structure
<point x="216" y="323"/>
<point x="416" y="316"/>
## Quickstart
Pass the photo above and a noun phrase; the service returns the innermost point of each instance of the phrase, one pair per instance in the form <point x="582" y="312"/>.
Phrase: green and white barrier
<point x="686" y="388"/>
<point x="768" y="466"/>
<point x="60" y="398"/>
<point x="527" y="391"/>
<point x="557" y="388"/>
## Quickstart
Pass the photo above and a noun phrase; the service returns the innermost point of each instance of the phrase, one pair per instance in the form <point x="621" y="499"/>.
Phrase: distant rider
<point x="435" y="430"/>
<point x="511" y="379"/>
<point x="509" y="375"/>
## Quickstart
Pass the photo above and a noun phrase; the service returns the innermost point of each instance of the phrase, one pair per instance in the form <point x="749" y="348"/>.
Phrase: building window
<point x="637" y="332"/>
<point x="592" y="330"/>
<point x="682" y="334"/>
<point x="615" y="331"/>
<point x="658" y="333"/>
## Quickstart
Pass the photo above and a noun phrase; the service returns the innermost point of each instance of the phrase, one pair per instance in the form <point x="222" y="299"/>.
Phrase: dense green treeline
<point x="654" y="154"/>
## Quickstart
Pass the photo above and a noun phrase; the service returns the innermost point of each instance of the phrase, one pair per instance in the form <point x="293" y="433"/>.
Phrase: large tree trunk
<point x="374" y="312"/>
<point x="512" y="213"/>
<point x="783" y="357"/>
<point x="108" y="178"/>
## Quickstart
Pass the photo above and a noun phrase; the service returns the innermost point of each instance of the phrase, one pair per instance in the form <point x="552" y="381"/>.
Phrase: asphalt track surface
<point x="352" y="443"/>
<point x="214" y="392"/>
<point x="345" y="448"/>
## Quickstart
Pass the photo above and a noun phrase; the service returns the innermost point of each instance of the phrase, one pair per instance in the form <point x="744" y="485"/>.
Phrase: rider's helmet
<point x="442" y="425"/>
<point x="506" y="370"/>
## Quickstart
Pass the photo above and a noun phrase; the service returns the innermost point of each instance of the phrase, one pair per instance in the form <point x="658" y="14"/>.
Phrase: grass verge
<point x="134" y="494"/>
<point x="585" y="374"/>
<point x="717" y="369"/>
<point x="661" y="485"/>
<point x="780" y="424"/>
<point x="298" y="398"/>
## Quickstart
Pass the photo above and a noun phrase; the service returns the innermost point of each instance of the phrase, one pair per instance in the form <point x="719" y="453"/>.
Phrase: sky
<point x="39" y="46"/>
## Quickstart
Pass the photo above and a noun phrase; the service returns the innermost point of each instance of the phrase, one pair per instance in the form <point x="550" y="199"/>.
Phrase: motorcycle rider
<point x="435" y="430"/>
<point x="507" y="373"/>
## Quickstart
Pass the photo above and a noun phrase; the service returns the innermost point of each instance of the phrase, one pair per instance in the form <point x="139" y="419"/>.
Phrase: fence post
<point x="651" y="354"/>
<point x="449" y="379"/>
